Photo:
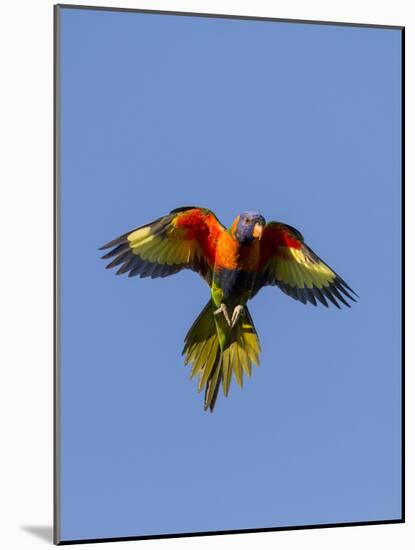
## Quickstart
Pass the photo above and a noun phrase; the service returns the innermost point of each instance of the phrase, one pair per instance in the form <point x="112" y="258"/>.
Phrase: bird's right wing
<point x="184" y="239"/>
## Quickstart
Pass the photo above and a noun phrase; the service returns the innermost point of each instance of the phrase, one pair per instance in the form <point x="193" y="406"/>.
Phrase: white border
<point x="26" y="231"/>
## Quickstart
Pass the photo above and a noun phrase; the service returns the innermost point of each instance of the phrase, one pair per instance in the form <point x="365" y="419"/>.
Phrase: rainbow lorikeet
<point x="236" y="263"/>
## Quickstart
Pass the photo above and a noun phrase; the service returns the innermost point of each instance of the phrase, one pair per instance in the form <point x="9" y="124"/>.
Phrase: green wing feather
<point x="184" y="239"/>
<point x="287" y="262"/>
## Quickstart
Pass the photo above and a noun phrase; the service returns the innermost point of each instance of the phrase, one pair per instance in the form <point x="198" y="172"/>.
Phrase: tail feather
<point x="213" y="384"/>
<point x="215" y="366"/>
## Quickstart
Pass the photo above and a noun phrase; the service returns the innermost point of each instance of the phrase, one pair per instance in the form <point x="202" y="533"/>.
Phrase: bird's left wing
<point x="184" y="239"/>
<point x="287" y="262"/>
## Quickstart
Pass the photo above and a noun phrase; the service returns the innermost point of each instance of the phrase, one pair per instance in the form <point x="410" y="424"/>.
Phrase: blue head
<point x="247" y="227"/>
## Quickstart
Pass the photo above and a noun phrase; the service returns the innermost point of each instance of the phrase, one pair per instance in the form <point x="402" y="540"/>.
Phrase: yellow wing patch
<point x="294" y="268"/>
<point x="184" y="239"/>
<point x="290" y="264"/>
<point x="170" y="248"/>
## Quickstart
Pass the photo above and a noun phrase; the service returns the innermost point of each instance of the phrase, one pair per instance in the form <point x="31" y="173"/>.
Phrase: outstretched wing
<point x="184" y="239"/>
<point x="286" y="261"/>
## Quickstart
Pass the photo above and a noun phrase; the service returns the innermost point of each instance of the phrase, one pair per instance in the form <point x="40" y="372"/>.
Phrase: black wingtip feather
<point x="118" y="260"/>
<point x="343" y="282"/>
<point x="333" y="290"/>
<point x="328" y="295"/>
<point x="340" y="286"/>
<point x="309" y="296"/>
<point x="318" y="294"/>
<point x="113" y="243"/>
<point x="117" y="250"/>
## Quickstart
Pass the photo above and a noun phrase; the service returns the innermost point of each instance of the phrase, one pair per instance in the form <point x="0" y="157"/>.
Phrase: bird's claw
<point x="237" y="313"/>
<point x="224" y="310"/>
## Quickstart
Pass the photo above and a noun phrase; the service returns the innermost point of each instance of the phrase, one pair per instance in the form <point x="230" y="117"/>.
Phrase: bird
<point x="235" y="262"/>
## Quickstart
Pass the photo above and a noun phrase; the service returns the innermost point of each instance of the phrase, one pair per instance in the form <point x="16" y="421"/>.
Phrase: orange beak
<point x="258" y="229"/>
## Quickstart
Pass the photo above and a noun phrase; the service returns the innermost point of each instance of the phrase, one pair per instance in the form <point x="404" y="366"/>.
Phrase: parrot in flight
<point x="236" y="263"/>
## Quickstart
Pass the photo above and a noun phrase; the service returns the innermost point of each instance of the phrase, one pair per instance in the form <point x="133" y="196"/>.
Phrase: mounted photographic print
<point x="228" y="345"/>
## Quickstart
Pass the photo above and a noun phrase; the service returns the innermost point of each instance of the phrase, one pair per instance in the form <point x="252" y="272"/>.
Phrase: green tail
<point x="213" y="365"/>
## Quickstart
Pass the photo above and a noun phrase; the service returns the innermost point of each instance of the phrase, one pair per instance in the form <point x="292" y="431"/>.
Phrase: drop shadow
<point x="44" y="532"/>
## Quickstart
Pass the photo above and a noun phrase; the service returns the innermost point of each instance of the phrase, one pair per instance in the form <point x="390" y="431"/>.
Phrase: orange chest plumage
<point x="232" y="255"/>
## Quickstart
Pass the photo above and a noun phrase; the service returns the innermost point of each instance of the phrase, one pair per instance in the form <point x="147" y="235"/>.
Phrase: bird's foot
<point x="224" y="310"/>
<point x="237" y="313"/>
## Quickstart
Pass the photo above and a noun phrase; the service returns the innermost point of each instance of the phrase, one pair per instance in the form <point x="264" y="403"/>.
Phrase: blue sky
<point x="301" y="123"/>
